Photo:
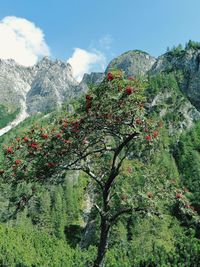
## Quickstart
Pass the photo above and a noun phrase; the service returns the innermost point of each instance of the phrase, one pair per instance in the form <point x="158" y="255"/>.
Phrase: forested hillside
<point x="123" y="159"/>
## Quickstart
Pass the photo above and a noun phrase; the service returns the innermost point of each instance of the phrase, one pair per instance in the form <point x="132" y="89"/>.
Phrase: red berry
<point x="26" y="139"/>
<point x="88" y="97"/>
<point x="45" y="136"/>
<point x="110" y="76"/>
<point x="179" y="195"/>
<point x="17" y="161"/>
<point x="155" y="134"/>
<point x="148" y="138"/>
<point x="59" y="136"/>
<point x="10" y="150"/>
<point x="129" y="90"/>
<point x="34" y="145"/>
<point x="138" y="121"/>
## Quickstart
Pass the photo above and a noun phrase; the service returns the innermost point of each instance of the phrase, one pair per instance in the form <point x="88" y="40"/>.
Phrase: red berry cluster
<point x="110" y="76"/>
<point x="129" y="90"/>
<point x="88" y="102"/>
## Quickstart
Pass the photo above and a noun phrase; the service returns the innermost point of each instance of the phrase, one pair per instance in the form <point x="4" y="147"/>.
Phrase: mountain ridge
<point x="46" y="85"/>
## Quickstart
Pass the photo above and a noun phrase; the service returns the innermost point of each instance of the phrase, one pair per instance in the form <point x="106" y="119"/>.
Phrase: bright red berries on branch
<point x="45" y="136"/>
<point x="155" y="134"/>
<point x="26" y="139"/>
<point x="88" y="98"/>
<point x="110" y="76"/>
<point x="88" y="102"/>
<point x="148" y="138"/>
<point x="59" y="136"/>
<point x="34" y="145"/>
<point x="138" y="121"/>
<point x="17" y="161"/>
<point x="129" y="90"/>
<point x="179" y="196"/>
<point x="10" y="150"/>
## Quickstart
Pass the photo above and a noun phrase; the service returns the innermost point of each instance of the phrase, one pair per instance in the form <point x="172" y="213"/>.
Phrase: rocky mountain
<point x="174" y="82"/>
<point x="48" y="84"/>
<point x="188" y="62"/>
<point x="52" y="84"/>
<point x="40" y="88"/>
<point x="133" y="63"/>
<point x="92" y="78"/>
<point x="15" y="82"/>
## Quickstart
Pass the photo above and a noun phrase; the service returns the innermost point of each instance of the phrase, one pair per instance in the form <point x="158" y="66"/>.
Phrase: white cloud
<point x="83" y="61"/>
<point x="22" y="41"/>
<point x="106" y="41"/>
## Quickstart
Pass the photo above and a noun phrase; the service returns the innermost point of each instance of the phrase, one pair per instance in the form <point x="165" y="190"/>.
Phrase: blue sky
<point x="108" y="28"/>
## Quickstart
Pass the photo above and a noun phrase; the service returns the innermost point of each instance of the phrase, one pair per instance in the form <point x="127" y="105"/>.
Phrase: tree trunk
<point x="103" y="242"/>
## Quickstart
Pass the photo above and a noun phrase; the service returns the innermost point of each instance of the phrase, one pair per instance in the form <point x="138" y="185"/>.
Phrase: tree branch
<point x="114" y="170"/>
<point x="130" y="210"/>
<point x="99" y="210"/>
<point x="93" y="176"/>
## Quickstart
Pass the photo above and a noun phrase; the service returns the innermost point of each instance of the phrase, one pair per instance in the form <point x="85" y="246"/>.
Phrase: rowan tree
<point x="109" y="126"/>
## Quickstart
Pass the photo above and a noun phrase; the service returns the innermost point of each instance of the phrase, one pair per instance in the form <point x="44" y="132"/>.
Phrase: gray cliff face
<point x="40" y="88"/>
<point x="51" y="86"/>
<point x="133" y="63"/>
<point x="188" y="61"/>
<point x="15" y="81"/>
<point x="174" y="108"/>
<point x="93" y="78"/>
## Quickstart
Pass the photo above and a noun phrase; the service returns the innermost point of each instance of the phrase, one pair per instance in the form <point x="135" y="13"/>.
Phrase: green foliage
<point x="176" y="51"/>
<point x="44" y="250"/>
<point x="183" y="250"/>
<point x="179" y="50"/>
<point x="187" y="156"/>
<point x="169" y="101"/>
<point x="50" y="224"/>
<point x="19" y="247"/>
<point x="192" y="45"/>
<point x="7" y="115"/>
